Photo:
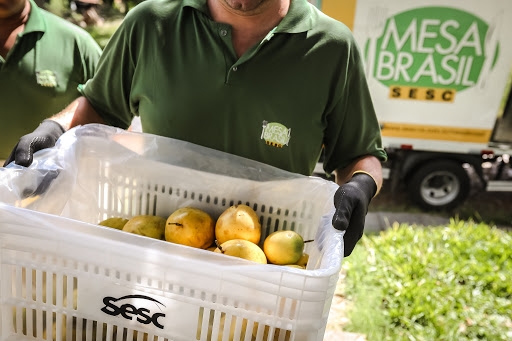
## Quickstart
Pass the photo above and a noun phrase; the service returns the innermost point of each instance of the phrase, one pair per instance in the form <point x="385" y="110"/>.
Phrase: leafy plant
<point x="434" y="283"/>
<point x="102" y="34"/>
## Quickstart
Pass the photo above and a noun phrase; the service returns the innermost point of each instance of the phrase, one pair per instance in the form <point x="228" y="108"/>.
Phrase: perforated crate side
<point x="142" y="186"/>
<point x="79" y="257"/>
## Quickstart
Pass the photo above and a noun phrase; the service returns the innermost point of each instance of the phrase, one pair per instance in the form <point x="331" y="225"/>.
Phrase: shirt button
<point x="223" y="33"/>
<point x="235" y="68"/>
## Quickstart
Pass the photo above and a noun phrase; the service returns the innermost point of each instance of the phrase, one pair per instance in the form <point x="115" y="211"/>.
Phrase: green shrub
<point x="434" y="283"/>
<point x="102" y="34"/>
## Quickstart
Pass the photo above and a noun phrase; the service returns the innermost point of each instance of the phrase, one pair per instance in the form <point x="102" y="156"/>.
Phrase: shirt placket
<point x="4" y="61"/>
<point x="232" y="63"/>
<point x="225" y="35"/>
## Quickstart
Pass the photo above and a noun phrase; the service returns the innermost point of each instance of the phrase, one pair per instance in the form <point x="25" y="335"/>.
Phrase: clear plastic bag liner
<point x="96" y="171"/>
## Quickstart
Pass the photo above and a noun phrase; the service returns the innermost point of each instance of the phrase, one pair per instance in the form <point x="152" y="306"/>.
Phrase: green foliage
<point x="58" y="7"/>
<point x="103" y="33"/>
<point x="434" y="283"/>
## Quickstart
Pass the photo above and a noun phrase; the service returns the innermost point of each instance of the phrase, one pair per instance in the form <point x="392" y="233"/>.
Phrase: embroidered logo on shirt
<point x="46" y="78"/>
<point x="275" y="134"/>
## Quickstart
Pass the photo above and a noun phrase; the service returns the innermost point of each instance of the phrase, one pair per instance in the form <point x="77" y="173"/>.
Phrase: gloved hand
<point x="351" y="201"/>
<point x="44" y="136"/>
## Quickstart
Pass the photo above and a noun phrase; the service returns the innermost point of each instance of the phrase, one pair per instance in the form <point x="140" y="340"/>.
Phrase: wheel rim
<point x="440" y="188"/>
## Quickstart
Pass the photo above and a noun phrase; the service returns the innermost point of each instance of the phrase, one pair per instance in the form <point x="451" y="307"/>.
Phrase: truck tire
<point x="439" y="185"/>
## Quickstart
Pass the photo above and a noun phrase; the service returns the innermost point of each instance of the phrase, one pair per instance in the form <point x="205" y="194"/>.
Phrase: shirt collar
<point x="200" y="5"/>
<point x="35" y="22"/>
<point x="298" y="19"/>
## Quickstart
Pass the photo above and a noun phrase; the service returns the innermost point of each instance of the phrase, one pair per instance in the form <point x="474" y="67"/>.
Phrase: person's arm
<point x="366" y="164"/>
<point x="79" y="112"/>
<point x="359" y="182"/>
<point x="353" y="145"/>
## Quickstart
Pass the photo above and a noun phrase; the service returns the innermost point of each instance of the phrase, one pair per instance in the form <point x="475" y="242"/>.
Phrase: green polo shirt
<point x="41" y="73"/>
<point x="300" y="88"/>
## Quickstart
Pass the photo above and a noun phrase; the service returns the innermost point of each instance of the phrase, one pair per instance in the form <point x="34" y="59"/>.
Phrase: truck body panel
<point x="440" y="75"/>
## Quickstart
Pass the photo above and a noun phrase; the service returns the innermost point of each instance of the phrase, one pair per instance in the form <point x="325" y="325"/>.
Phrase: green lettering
<point x="399" y="42"/>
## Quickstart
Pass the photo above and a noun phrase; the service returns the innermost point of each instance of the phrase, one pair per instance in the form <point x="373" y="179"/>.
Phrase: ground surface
<point x="481" y="206"/>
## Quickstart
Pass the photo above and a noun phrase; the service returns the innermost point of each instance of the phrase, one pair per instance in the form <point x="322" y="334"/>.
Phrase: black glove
<point x="45" y="136"/>
<point x="351" y="201"/>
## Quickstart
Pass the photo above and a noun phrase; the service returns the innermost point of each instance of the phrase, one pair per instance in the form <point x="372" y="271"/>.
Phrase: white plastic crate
<point x="57" y="267"/>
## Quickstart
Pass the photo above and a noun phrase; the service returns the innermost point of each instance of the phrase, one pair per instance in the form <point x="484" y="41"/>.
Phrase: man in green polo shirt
<point x="43" y="58"/>
<point x="270" y="80"/>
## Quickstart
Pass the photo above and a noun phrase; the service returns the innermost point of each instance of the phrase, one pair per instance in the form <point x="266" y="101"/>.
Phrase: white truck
<point x="440" y="76"/>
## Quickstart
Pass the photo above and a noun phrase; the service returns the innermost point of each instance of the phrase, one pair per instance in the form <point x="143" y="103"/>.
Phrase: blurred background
<point x="102" y="17"/>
